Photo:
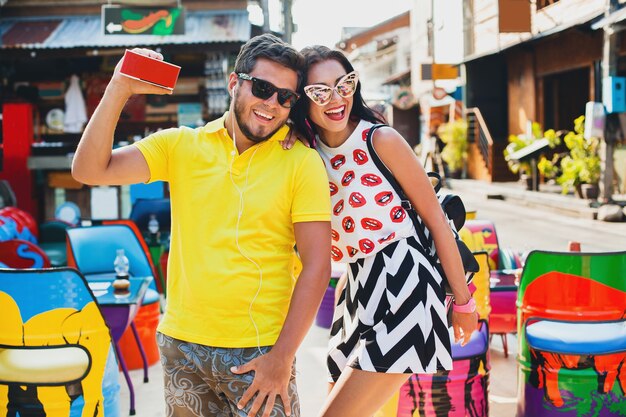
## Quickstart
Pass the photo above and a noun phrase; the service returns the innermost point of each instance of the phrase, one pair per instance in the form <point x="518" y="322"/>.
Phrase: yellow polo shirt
<point x="230" y="277"/>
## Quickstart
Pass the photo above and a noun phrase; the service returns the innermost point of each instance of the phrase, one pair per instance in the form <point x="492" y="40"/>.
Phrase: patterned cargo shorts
<point x="198" y="381"/>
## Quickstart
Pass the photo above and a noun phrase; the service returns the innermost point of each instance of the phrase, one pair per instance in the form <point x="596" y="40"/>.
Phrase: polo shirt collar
<point x="218" y="125"/>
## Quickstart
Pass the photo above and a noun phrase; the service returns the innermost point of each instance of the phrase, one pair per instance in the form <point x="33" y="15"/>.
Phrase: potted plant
<point x="519" y="142"/>
<point x="579" y="169"/>
<point x="454" y="153"/>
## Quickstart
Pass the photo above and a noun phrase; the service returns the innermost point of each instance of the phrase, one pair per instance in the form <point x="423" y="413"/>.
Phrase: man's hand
<point x="130" y="86"/>
<point x="464" y="324"/>
<point x="271" y="378"/>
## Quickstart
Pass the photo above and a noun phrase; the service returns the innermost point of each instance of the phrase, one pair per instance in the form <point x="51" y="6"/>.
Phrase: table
<point x="119" y="312"/>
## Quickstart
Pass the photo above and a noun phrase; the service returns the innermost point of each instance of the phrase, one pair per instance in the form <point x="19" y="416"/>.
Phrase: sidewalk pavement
<point x="312" y="386"/>
<point x="549" y="196"/>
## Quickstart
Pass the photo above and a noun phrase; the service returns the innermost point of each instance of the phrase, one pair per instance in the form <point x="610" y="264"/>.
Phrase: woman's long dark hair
<point x="300" y="112"/>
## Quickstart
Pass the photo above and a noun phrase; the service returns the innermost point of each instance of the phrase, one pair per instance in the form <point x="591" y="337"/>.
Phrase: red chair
<point x="21" y="254"/>
<point x="22" y="218"/>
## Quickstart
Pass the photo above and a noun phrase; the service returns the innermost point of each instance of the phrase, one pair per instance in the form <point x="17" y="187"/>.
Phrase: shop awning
<point x="86" y="31"/>
<point x="615" y="17"/>
<point x="399" y="78"/>
<point x="528" y="37"/>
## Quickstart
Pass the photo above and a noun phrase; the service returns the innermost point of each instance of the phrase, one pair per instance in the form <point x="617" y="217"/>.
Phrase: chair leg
<point x="505" y="344"/>
<point x="131" y="390"/>
<point x="144" y="359"/>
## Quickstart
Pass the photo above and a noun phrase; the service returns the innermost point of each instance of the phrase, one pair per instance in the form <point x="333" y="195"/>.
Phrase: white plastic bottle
<point x="153" y="228"/>
<point x="121" y="264"/>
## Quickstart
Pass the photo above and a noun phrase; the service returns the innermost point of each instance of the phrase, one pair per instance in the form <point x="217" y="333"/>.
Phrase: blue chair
<point x="93" y="249"/>
<point x="54" y="342"/>
<point x="149" y="191"/>
<point x="144" y="207"/>
<point x="52" y="241"/>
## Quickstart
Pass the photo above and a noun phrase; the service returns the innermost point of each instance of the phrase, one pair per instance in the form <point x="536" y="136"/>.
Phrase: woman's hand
<point x="292" y="137"/>
<point x="464" y="324"/>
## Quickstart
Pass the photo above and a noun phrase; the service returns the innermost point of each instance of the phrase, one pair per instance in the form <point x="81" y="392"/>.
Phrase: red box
<point x="150" y="70"/>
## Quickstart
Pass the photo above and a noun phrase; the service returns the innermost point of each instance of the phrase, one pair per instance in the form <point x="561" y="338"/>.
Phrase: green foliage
<point x="454" y="135"/>
<point x="580" y="166"/>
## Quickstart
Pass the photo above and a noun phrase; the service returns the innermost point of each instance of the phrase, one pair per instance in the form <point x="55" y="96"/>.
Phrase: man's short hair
<point x="272" y="48"/>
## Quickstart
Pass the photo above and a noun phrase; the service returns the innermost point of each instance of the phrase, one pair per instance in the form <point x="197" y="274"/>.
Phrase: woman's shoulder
<point x="386" y="135"/>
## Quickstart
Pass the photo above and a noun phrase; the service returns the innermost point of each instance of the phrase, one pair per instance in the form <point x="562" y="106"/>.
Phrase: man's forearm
<point x="305" y="300"/>
<point x="94" y="149"/>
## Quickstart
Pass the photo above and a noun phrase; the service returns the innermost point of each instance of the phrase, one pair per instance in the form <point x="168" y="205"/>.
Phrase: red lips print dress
<point x="390" y="317"/>
<point x="367" y="215"/>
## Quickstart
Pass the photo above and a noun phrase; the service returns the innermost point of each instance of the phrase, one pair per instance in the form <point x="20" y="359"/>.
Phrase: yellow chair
<point x="55" y="346"/>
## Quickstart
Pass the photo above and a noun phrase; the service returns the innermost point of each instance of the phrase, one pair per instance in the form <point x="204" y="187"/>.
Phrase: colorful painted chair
<point x="20" y="254"/>
<point x="24" y="222"/>
<point x="458" y="393"/>
<point x="55" y="347"/>
<point x="92" y="250"/>
<point x="464" y="390"/>
<point x="480" y="235"/>
<point x="572" y="335"/>
<point x="10" y="228"/>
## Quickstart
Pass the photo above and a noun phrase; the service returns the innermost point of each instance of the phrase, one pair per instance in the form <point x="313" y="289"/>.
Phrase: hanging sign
<point x="162" y="21"/>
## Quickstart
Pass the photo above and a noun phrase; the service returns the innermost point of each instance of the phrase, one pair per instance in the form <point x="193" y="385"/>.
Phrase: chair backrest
<point x="144" y="207"/>
<point x="153" y="190"/>
<point x="140" y="239"/>
<point x="18" y="253"/>
<point x="573" y="286"/>
<point x="480" y="235"/>
<point x="53" y="335"/>
<point x="93" y="249"/>
<point x="53" y="231"/>
<point x="481" y="283"/>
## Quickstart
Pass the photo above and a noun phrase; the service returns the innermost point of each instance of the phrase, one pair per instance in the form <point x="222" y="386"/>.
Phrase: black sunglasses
<point x="264" y="89"/>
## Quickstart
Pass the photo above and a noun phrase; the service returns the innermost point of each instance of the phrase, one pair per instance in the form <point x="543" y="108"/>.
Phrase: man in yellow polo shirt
<point x="236" y="313"/>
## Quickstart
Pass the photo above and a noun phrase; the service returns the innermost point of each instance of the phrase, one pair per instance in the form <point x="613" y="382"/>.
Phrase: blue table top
<point x="102" y="288"/>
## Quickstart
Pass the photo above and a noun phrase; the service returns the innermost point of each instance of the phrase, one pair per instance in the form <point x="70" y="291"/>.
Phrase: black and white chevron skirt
<point x="391" y="316"/>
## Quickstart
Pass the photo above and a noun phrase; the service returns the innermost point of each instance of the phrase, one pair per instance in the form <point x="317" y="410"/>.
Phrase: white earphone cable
<point x="240" y="212"/>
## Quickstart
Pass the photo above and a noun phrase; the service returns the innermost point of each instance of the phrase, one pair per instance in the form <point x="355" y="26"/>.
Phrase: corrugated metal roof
<point x="87" y="32"/>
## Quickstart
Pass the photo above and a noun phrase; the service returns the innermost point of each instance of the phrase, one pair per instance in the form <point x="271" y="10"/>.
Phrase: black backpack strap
<point x="405" y="202"/>
<point x="467" y="258"/>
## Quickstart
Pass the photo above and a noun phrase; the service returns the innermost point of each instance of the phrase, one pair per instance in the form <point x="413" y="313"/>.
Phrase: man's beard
<point x="244" y="127"/>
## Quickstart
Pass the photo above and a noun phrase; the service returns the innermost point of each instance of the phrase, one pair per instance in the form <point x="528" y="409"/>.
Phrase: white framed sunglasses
<point x="321" y="94"/>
